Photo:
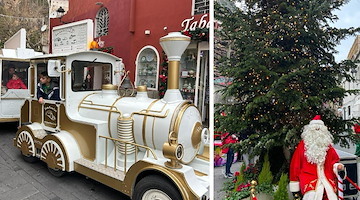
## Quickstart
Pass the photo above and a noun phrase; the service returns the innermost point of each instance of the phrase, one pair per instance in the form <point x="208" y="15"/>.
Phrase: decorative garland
<point x="163" y="76"/>
<point x="199" y="34"/>
<point x="107" y="50"/>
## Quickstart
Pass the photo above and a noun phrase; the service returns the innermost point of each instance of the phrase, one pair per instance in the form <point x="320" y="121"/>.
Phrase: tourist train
<point x="145" y="148"/>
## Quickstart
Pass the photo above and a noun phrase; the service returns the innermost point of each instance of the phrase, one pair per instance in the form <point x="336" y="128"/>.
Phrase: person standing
<point x="229" y="139"/>
<point x="314" y="164"/>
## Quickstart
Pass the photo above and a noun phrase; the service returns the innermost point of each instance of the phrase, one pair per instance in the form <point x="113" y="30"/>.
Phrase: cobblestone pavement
<point x="31" y="181"/>
<point x="219" y="180"/>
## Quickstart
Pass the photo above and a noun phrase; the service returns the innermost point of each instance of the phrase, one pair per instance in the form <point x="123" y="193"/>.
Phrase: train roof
<point x="73" y="54"/>
<point x="14" y="59"/>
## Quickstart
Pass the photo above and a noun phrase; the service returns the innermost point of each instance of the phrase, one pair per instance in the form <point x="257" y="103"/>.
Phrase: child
<point x="47" y="89"/>
<point x="15" y="82"/>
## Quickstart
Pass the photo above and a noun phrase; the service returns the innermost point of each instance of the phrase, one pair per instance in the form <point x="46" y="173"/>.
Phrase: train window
<point x="14" y="75"/>
<point x="90" y="76"/>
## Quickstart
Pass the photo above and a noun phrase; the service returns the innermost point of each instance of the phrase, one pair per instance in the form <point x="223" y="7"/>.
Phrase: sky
<point x="349" y="16"/>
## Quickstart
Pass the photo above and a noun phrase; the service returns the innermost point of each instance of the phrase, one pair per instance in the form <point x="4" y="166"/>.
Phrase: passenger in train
<point x="7" y="75"/>
<point x="47" y="89"/>
<point x="15" y="82"/>
<point x="88" y="82"/>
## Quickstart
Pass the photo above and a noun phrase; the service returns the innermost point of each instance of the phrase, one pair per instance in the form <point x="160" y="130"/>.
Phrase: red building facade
<point x="134" y="30"/>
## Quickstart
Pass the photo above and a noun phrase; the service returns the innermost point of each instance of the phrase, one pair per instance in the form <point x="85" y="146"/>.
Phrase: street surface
<point x="219" y="180"/>
<point x="20" y="180"/>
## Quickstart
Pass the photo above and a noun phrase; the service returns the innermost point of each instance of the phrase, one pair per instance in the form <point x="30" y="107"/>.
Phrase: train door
<point x="47" y="88"/>
<point x="14" y="88"/>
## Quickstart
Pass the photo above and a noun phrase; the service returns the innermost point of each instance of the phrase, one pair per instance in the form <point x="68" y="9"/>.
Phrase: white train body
<point x="147" y="130"/>
<point x="120" y="141"/>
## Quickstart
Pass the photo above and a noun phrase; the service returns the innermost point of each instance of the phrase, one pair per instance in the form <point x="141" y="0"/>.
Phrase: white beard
<point x="317" y="140"/>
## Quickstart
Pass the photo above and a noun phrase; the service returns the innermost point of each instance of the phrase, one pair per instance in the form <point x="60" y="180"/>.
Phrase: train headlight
<point x="205" y="135"/>
<point x="173" y="151"/>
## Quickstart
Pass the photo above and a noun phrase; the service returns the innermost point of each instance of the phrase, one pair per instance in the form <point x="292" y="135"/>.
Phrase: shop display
<point x="147" y="68"/>
<point x="188" y="74"/>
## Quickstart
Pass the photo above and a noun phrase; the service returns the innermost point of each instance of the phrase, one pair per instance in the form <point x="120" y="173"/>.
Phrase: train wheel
<point x="155" y="187"/>
<point x="26" y="144"/>
<point x="52" y="154"/>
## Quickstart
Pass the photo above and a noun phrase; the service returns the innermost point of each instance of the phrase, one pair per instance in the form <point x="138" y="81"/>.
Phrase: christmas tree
<point x="283" y="72"/>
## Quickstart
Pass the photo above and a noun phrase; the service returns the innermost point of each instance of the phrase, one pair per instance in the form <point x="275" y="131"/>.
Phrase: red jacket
<point x="16" y="84"/>
<point x="228" y="140"/>
<point x="304" y="174"/>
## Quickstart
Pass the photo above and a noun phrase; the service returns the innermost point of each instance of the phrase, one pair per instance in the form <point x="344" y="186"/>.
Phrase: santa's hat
<point x="317" y="120"/>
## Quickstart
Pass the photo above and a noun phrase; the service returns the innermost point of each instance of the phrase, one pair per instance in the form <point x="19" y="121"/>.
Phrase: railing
<point x="148" y="151"/>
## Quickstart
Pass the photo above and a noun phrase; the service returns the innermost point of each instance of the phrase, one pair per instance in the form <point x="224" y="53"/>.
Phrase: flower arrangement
<point x="163" y="76"/>
<point x="251" y="172"/>
<point x="357" y="128"/>
<point x="239" y="187"/>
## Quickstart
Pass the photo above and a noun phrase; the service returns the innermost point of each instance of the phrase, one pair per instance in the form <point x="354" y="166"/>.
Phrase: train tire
<point x="27" y="148"/>
<point x="56" y="172"/>
<point x="29" y="159"/>
<point x="53" y="156"/>
<point x="155" y="187"/>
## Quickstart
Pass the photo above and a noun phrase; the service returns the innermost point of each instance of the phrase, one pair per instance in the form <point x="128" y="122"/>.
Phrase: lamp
<point x="126" y="87"/>
<point x="127" y="83"/>
<point x="61" y="12"/>
<point x="174" y="45"/>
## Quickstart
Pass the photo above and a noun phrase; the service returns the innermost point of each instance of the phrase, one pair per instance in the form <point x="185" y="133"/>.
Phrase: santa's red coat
<point x="305" y="173"/>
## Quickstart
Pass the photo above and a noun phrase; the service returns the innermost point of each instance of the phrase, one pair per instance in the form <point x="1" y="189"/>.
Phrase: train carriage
<point x="12" y="97"/>
<point x="143" y="147"/>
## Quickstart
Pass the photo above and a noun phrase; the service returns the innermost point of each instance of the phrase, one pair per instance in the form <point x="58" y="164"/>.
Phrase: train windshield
<point x="90" y="76"/>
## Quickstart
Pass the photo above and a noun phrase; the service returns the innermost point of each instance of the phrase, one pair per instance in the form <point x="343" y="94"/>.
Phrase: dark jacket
<point x="52" y="94"/>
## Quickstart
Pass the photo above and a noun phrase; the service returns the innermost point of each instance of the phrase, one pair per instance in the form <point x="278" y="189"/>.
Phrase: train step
<point x="82" y="164"/>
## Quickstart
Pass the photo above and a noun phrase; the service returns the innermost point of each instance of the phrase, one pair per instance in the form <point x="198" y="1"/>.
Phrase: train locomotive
<point x="145" y="148"/>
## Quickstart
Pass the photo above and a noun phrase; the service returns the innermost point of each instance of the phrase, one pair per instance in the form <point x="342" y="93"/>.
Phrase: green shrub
<point x="282" y="192"/>
<point x="265" y="177"/>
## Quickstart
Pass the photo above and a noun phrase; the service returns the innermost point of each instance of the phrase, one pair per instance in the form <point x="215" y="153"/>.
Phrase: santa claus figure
<point x="314" y="164"/>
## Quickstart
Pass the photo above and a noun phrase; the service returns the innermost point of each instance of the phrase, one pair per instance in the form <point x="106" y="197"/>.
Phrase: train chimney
<point x="174" y="45"/>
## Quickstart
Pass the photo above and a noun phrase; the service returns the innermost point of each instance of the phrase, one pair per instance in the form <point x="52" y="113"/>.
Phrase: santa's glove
<point x="297" y="195"/>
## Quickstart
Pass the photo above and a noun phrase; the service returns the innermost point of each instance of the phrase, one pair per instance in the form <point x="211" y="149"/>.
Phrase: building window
<point x="102" y="22"/>
<point x="147" y="68"/>
<point x="349" y="111"/>
<point x="201" y="7"/>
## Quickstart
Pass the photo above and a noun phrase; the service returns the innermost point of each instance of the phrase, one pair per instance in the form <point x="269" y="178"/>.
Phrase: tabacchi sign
<point x="190" y="24"/>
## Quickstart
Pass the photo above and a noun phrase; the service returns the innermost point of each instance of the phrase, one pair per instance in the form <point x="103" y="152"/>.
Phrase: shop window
<point x="201" y="6"/>
<point x="90" y="76"/>
<point x="147" y="68"/>
<point x="102" y="22"/>
<point x="188" y="75"/>
<point x="14" y="75"/>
